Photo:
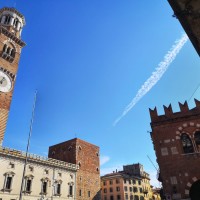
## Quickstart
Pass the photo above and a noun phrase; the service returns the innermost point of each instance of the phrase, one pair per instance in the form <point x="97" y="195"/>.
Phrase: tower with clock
<point x="11" y="25"/>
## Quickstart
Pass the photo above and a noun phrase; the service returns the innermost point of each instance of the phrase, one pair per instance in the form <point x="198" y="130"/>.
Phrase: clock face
<point x="5" y="82"/>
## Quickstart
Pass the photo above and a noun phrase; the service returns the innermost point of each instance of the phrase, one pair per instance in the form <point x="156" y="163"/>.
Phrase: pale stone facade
<point x="45" y="178"/>
<point x="120" y="186"/>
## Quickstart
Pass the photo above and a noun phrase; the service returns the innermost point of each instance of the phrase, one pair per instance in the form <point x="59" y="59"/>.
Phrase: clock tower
<point x="11" y="25"/>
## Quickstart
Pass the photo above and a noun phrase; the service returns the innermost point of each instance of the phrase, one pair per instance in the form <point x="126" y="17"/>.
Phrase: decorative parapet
<point x="37" y="158"/>
<point x="170" y="115"/>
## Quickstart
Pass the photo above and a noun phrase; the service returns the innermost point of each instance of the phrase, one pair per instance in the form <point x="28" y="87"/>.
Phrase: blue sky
<point x="88" y="59"/>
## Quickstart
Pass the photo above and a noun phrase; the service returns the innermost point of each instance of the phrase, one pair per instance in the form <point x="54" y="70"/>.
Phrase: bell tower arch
<point x="195" y="191"/>
<point x="11" y="25"/>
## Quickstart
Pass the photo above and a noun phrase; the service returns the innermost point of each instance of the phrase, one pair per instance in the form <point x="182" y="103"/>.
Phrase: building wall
<point x="11" y="37"/>
<point x="131" y="187"/>
<point x="178" y="170"/>
<point x="117" y="185"/>
<point x="38" y="169"/>
<point x="187" y="13"/>
<point x="85" y="155"/>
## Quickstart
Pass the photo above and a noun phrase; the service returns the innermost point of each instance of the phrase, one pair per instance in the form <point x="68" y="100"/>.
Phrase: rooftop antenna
<point x="28" y="144"/>
<point x="152" y="163"/>
<point x="194" y="92"/>
<point x="154" y="167"/>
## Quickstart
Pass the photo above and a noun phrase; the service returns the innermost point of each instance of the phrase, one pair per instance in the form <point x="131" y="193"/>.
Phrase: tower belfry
<point x="11" y="25"/>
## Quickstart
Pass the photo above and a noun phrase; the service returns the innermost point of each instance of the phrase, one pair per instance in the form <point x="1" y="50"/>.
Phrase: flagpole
<point x="28" y="144"/>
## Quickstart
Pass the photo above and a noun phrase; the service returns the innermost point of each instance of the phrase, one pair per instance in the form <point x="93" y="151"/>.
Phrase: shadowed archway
<point x="195" y="191"/>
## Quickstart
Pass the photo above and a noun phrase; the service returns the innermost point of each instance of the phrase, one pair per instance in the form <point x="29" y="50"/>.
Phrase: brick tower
<point x="11" y="24"/>
<point x="176" y="140"/>
<point x="85" y="155"/>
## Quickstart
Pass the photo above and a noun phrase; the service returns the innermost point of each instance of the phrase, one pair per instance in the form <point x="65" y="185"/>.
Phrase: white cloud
<point x="104" y="159"/>
<point x="153" y="177"/>
<point x="156" y="75"/>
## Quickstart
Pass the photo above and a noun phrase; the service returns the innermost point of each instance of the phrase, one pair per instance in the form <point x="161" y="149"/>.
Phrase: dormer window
<point x="8" y="52"/>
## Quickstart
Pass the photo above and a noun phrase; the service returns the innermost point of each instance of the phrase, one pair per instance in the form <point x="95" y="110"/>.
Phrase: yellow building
<point x="133" y="183"/>
<point x="121" y="186"/>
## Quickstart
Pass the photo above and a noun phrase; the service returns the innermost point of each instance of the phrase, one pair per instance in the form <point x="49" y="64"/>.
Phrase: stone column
<point x="20" y="31"/>
<point x="11" y="21"/>
<point x="3" y="19"/>
<point x="18" y="25"/>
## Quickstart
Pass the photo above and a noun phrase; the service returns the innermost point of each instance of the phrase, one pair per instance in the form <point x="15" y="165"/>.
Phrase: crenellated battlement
<point x="169" y="114"/>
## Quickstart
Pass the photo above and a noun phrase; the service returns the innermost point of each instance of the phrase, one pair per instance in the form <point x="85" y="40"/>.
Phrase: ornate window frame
<point x="9" y="51"/>
<point x="186" y="143"/>
<point x="26" y="179"/>
<point x="5" y="186"/>
<point x="57" y="187"/>
<point x="44" y="181"/>
<point x="71" y="189"/>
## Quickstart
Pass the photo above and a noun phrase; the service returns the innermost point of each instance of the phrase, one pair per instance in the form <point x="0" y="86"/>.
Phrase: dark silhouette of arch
<point x="195" y="191"/>
<point x="187" y="143"/>
<point x="197" y="139"/>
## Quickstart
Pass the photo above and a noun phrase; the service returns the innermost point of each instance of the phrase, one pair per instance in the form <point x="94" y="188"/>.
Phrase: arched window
<point x="7" y="19"/>
<point x="8" y="52"/>
<point x="8" y="181"/>
<point x="12" y="53"/>
<point x="28" y="183"/>
<point x="44" y="186"/>
<point x="57" y="187"/>
<point x="197" y="139"/>
<point x="187" y="143"/>
<point x="131" y="197"/>
<point x="15" y="22"/>
<point x="136" y="197"/>
<point x="5" y="48"/>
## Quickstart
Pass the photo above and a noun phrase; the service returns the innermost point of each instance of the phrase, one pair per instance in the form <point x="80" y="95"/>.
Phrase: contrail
<point x="156" y="75"/>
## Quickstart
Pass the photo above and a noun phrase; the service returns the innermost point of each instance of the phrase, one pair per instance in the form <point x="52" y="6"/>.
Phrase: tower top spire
<point x="12" y="20"/>
<point x="13" y="10"/>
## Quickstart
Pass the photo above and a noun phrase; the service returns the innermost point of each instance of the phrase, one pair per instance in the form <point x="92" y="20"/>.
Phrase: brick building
<point x="85" y="155"/>
<point x="176" y="140"/>
<point x="60" y="176"/>
<point x="11" y="24"/>
<point x="188" y="13"/>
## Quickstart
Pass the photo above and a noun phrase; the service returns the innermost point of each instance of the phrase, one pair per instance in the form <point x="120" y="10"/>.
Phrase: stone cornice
<point x="12" y="36"/>
<point x="16" y="154"/>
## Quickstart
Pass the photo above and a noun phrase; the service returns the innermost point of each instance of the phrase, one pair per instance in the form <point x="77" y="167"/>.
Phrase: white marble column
<point x="11" y="21"/>
<point x="20" y="31"/>
<point x="3" y="19"/>
<point x="18" y="25"/>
